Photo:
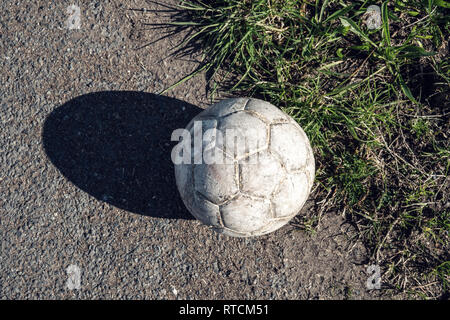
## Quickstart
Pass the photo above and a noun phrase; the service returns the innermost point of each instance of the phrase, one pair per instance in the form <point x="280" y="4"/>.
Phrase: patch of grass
<point x="374" y="103"/>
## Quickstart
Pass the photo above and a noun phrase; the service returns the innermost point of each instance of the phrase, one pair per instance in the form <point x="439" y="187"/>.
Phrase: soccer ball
<point x="245" y="168"/>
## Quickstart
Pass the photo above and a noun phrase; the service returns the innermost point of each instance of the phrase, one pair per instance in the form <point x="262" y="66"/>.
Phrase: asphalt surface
<point x="86" y="179"/>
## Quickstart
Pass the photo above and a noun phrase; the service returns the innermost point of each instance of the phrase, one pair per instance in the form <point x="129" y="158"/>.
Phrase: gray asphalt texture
<point x="86" y="177"/>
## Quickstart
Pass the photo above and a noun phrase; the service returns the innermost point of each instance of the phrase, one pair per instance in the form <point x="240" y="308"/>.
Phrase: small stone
<point x="373" y="17"/>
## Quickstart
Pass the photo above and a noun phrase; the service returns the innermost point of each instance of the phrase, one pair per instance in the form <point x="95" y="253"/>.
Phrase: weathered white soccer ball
<point x="258" y="188"/>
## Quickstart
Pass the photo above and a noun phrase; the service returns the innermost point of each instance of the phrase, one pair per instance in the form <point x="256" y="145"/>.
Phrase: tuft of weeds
<point x="374" y="103"/>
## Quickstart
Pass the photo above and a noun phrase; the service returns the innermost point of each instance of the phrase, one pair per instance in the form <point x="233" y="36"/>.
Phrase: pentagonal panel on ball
<point x="224" y="107"/>
<point x="291" y="195"/>
<point x="310" y="168"/>
<point x="245" y="214"/>
<point x="244" y="134"/>
<point x="203" y="137"/>
<point x="260" y="174"/>
<point x="217" y="182"/>
<point x="289" y="144"/>
<point x="267" y="111"/>
<point x="206" y="211"/>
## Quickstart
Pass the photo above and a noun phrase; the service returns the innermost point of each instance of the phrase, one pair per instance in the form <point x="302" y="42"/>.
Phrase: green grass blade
<point x="322" y="9"/>
<point x="406" y="90"/>
<point x="442" y="3"/>
<point x="412" y="51"/>
<point x="357" y="30"/>
<point x="385" y="17"/>
<point x="339" y="13"/>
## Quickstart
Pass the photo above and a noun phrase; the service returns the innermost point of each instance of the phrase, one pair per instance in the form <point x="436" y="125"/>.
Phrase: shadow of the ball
<point x="115" y="145"/>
